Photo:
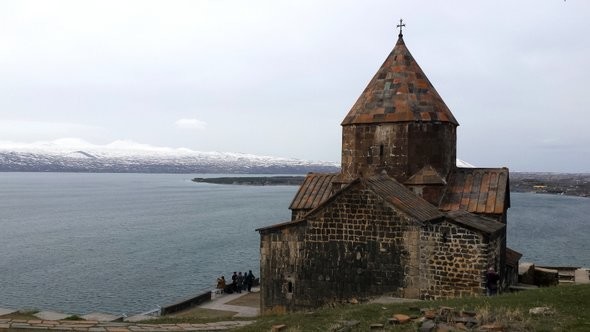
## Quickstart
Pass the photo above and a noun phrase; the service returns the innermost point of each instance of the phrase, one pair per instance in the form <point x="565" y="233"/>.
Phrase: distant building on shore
<point x="400" y="218"/>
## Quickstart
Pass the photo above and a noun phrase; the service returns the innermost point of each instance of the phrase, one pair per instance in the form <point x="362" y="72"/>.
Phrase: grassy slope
<point x="571" y="305"/>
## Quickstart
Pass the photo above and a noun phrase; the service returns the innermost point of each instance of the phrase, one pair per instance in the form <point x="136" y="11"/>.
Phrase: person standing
<point x="234" y="281"/>
<point x="492" y="279"/>
<point x="249" y="280"/>
<point x="240" y="282"/>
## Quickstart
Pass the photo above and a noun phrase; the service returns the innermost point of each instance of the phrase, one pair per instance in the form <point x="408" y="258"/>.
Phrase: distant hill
<point x="73" y="155"/>
<point x="551" y="183"/>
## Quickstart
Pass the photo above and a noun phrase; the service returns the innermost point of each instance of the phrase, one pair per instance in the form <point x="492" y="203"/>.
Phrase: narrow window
<point x="290" y="287"/>
<point x="445" y="238"/>
<point x="381" y="150"/>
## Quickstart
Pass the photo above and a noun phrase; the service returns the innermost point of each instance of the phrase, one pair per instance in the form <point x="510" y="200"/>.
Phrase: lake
<point x="127" y="243"/>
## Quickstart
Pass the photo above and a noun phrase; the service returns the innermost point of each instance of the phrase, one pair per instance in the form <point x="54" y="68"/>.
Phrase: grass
<point x="570" y="303"/>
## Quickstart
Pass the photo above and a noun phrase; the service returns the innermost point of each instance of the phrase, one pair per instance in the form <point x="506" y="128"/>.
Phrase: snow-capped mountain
<point x="75" y="155"/>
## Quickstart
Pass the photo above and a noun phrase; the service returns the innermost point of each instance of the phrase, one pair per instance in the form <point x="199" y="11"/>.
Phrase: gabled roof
<point x="477" y="190"/>
<point x="399" y="92"/>
<point x="281" y="225"/>
<point x="403" y="198"/>
<point x="477" y="222"/>
<point x="512" y="257"/>
<point x="315" y="189"/>
<point x="426" y="175"/>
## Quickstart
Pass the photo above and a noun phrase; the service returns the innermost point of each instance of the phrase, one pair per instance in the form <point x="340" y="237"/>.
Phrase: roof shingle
<point x="481" y="223"/>
<point x="477" y="190"/>
<point x="399" y="92"/>
<point x="315" y="189"/>
<point x="403" y="198"/>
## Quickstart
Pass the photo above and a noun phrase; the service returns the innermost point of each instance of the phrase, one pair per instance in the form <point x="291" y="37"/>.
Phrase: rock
<point x="278" y="328"/>
<point x="353" y="301"/>
<point x="492" y="327"/>
<point x="468" y="313"/>
<point x="442" y="327"/>
<point x="467" y="321"/>
<point x="460" y="327"/>
<point x="376" y="326"/>
<point x="445" y="310"/>
<point x="545" y="311"/>
<point x="347" y="325"/>
<point x="401" y="318"/>
<point x="427" y="326"/>
<point x="352" y="323"/>
<point x="430" y="314"/>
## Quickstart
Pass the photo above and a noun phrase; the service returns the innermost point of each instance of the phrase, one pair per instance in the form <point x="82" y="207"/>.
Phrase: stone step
<point x="4" y="312"/>
<point x="138" y="318"/>
<point x="51" y="315"/>
<point x="102" y="317"/>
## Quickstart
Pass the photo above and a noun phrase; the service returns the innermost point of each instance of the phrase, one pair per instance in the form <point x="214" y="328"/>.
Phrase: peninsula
<point x="255" y="181"/>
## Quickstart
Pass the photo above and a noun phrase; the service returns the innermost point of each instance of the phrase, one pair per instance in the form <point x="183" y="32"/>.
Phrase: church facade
<point x="400" y="218"/>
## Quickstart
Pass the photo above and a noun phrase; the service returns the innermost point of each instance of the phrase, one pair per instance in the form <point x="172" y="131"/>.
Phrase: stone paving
<point x="220" y="303"/>
<point x="96" y="326"/>
<point x="96" y="322"/>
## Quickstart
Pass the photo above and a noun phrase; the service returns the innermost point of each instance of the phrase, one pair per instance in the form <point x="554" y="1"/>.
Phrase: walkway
<point x="96" y="326"/>
<point x="244" y="309"/>
<point x="220" y="302"/>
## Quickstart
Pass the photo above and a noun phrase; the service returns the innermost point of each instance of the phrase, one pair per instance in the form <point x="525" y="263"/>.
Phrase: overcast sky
<point x="277" y="78"/>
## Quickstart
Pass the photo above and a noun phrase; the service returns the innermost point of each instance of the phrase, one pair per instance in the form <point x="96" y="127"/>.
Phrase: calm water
<point x="126" y="243"/>
<point x="550" y="230"/>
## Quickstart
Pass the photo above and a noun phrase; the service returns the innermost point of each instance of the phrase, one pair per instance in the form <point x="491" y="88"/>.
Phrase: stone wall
<point x="453" y="261"/>
<point x="355" y="247"/>
<point x="298" y="213"/>
<point x="497" y="258"/>
<point x="280" y="262"/>
<point x="401" y="149"/>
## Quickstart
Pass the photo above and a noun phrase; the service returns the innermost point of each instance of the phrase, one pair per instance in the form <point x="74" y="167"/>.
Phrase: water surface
<point x="126" y="243"/>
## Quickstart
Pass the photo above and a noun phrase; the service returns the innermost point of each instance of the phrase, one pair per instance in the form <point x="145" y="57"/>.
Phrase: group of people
<point x="239" y="282"/>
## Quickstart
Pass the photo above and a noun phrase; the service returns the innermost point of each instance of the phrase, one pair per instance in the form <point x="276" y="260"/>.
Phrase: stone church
<point x="400" y="218"/>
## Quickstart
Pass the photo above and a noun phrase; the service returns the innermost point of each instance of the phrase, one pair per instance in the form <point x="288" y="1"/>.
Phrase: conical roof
<point x="399" y="92"/>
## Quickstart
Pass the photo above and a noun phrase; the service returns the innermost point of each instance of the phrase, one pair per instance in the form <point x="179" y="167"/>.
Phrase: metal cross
<point x="400" y="25"/>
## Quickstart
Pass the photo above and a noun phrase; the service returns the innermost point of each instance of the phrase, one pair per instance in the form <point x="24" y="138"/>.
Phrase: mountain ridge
<point x="75" y="155"/>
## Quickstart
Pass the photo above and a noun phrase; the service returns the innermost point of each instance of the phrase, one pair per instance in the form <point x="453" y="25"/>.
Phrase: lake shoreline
<point x="577" y="185"/>
<point x="255" y="180"/>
